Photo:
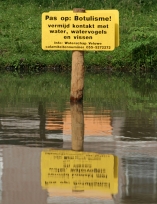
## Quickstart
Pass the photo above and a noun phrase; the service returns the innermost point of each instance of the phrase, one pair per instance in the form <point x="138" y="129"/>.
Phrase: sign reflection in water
<point x="77" y="173"/>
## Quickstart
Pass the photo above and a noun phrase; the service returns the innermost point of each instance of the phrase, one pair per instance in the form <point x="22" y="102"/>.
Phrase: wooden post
<point x="77" y="126"/>
<point x="77" y="73"/>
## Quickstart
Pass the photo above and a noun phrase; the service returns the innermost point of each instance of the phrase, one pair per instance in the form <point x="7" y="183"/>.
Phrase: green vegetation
<point x="121" y="92"/>
<point x="49" y="87"/>
<point x="20" y="36"/>
<point x="101" y="91"/>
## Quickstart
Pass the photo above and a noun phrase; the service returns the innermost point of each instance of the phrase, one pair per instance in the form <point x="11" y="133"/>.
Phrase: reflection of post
<point x="42" y="112"/>
<point x="77" y="126"/>
<point x="0" y="124"/>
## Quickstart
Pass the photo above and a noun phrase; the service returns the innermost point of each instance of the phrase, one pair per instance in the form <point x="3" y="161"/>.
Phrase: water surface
<point x="79" y="154"/>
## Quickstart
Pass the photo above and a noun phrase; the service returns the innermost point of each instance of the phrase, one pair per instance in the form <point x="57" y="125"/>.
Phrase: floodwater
<point x="80" y="154"/>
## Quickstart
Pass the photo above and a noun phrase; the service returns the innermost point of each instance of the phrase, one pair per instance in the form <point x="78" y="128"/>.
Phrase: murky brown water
<point x="106" y="156"/>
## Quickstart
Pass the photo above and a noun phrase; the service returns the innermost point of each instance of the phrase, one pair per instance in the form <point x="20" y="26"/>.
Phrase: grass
<point x="20" y="36"/>
<point x="49" y="87"/>
<point x="101" y="91"/>
<point x="121" y="92"/>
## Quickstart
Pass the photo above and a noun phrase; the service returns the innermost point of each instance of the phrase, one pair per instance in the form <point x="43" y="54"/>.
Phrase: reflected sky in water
<point x="28" y="133"/>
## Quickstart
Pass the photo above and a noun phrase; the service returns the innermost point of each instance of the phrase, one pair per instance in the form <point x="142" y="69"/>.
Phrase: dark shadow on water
<point x="28" y="133"/>
<point x="42" y="115"/>
<point x="29" y="141"/>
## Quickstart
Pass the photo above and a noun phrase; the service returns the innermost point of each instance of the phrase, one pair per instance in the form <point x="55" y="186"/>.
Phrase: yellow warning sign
<point x="79" y="171"/>
<point x="92" y="30"/>
<point x="116" y="15"/>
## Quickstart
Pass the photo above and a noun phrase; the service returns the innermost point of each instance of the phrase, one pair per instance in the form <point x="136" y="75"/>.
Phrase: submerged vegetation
<point x="20" y="36"/>
<point x="21" y="53"/>
<point x="101" y="91"/>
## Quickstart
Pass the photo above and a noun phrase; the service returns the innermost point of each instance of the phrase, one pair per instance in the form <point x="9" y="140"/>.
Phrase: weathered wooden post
<point x="79" y="31"/>
<point x="77" y="73"/>
<point x="77" y="126"/>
